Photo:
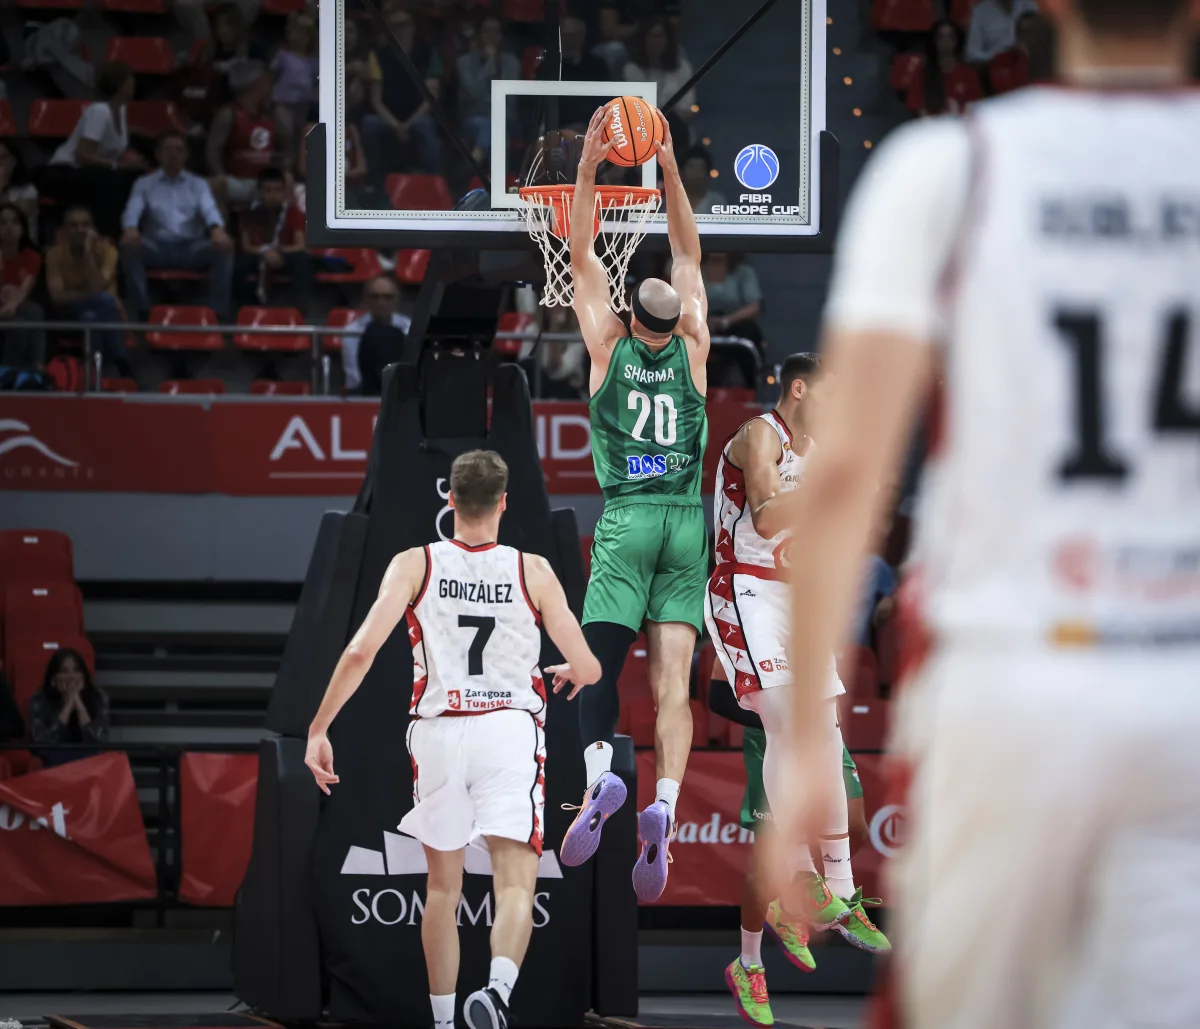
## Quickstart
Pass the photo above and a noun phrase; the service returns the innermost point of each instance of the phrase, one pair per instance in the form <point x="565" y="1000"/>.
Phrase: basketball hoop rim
<point x="622" y="196"/>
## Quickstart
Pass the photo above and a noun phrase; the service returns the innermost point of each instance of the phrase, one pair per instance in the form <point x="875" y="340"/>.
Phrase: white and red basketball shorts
<point x="477" y="775"/>
<point x="749" y="620"/>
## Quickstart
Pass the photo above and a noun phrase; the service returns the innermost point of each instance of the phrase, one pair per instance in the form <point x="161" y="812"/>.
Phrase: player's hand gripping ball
<point x="634" y="127"/>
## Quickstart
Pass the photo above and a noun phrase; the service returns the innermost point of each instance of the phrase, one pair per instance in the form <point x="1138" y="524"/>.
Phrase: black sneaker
<point x="485" y="1010"/>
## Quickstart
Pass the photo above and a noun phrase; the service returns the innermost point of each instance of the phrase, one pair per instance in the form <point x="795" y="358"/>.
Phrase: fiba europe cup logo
<point x="756" y="167"/>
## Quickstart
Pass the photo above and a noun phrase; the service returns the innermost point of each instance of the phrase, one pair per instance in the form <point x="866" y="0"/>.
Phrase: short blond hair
<point x="478" y="480"/>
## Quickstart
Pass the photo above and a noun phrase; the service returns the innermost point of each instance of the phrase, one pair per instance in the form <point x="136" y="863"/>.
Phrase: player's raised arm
<point x="545" y="591"/>
<point x="600" y="327"/>
<point x="401" y="583"/>
<point x="685" y="250"/>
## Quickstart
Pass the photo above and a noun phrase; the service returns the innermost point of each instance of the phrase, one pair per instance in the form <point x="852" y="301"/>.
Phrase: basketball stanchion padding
<point x="618" y="221"/>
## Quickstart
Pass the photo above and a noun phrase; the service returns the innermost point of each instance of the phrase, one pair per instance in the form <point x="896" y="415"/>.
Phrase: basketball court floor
<point x="699" y="1010"/>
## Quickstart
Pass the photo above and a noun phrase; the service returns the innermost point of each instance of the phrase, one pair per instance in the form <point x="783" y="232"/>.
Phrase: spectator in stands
<point x="20" y="266"/>
<point x="400" y="115"/>
<point x="488" y="60"/>
<point x="615" y="32"/>
<point x="233" y="44"/>
<point x="295" y="70"/>
<point x="358" y="193"/>
<point x="173" y="221"/>
<point x="243" y="138"/>
<point x="15" y="187"/>
<point x="946" y="84"/>
<point x="556" y="368"/>
<point x="578" y="65"/>
<point x="273" y="244"/>
<point x="192" y="16"/>
<point x="381" y="297"/>
<point x="87" y="168"/>
<point x="81" y="278"/>
<point x="656" y="58"/>
<point x="69" y="708"/>
<point x="993" y="27"/>
<point x="734" y="297"/>
<point x="360" y="58"/>
<point x="1027" y="61"/>
<point x="697" y="169"/>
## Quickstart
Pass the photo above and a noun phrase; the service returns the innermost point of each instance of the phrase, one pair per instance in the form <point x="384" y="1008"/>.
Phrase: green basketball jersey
<point x="648" y="423"/>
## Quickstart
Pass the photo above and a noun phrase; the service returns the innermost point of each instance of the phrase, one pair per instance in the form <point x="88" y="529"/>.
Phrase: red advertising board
<point x="216" y="802"/>
<point x="711" y="852"/>
<point x="73" y="834"/>
<point x="250" y="447"/>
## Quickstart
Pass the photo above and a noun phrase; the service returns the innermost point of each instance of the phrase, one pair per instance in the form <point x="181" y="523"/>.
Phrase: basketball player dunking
<point x="1045" y="253"/>
<point x="478" y="707"/>
<point x="650" y="554"/>
<point x="747" y="615"/>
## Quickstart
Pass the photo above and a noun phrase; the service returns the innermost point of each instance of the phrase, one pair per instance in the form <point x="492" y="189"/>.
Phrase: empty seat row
<point x="55" y="119"/>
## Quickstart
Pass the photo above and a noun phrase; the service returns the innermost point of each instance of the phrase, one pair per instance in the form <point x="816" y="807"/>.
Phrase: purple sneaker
<point x="603" y="798"/>
<point x="650" y="872"/>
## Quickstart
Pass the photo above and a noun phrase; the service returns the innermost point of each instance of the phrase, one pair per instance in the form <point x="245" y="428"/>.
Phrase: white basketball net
<point x="622" y="213"/>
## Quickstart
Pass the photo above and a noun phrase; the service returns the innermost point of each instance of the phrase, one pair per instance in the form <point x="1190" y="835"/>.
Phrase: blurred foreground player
<point x="478" y="706"/>
<point x="1045" y="252"/>
<point x="650" y="552"/>
<point x="746" y="977"/>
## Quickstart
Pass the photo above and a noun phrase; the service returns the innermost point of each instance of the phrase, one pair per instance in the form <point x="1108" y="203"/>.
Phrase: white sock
<point x="443" y="1011"/>
<point x="668" y="793"/>
<point x="503" y="977"/>
<point x="597" y="759"/>
<point x="751" y="948"/>
<point x="835" y="854"/>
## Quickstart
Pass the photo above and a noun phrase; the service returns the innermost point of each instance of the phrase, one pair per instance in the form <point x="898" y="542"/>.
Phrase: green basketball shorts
<point x="755" y="808"/>
<point x="649" y="563"/>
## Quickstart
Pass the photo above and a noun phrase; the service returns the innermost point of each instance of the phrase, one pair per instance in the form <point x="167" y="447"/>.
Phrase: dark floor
<point x="707" y="1010"/>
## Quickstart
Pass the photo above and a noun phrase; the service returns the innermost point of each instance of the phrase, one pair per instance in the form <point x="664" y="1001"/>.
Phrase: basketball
<point x="635" y="126"/>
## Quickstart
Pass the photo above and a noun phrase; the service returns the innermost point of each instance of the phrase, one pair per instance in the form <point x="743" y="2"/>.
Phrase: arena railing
<point x="321" y="368"/>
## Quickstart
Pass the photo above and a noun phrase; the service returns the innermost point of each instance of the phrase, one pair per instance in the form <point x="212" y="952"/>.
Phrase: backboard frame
<point x="330" y="223"/>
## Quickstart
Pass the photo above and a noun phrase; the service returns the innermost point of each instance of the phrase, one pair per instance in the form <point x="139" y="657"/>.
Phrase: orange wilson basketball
<point x="635" y="126"/>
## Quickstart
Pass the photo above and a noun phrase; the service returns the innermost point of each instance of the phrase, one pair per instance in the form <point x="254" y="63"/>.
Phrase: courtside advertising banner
<point x="73" y="834"/>
<point x="712" y="852"/>
<point x="216" y="801"/>
<point x="251" y="447"/>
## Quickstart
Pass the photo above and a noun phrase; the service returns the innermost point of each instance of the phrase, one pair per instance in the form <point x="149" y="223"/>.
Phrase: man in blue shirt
<point x="172" y="221"/>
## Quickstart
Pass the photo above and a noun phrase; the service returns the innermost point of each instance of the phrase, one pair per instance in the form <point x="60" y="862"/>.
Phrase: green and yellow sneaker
<point x="792" y="937"/>
<point x="823" y="909"/>
<point x="749" y="989"/>
<point x="859" y="930"/>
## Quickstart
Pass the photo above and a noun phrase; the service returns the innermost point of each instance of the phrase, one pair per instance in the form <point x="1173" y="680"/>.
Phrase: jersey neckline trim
<point x="473" y="547"/>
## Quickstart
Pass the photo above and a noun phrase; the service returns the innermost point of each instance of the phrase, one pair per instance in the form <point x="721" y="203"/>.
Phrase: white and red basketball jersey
<point x="737" y="543"/>
<point x="1050" y="242"/>
<point x="475" y="635"/>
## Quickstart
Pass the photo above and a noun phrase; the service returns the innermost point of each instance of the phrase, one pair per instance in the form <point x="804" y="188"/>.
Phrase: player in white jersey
<point x="747" y="616"/>
<point x="478" y="706"/>
<point x="1043" y="254"/>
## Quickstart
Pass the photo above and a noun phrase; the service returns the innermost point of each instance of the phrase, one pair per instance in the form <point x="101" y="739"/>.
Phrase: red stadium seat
<point x="524" y="10"/>
<point x="634" y="683"/>
<point x="411" y="265"/>
<point x="902" y="15"/>
<point x="41" y="606"/>
<point x="363" y="264"/>
<point x="859" y="672"/>
<point x="192" y="387"/>
<point x="419" y="192"/>
<point x="146" y="55"/>
<point x="36" y="554"/>
<point x="27" y="657"/>
<point x="276" y="388"/>
<point x="133" y="6"/>
<point x="115" y="385"/>
<point x="338" y="318"/>
<point x="153" y="118"/>
<point x="515" y="321"/>
<point x="273" y="316"/>
<point x="54" y="119"/>
<point x="960" y="12"/>
<point x="864" y="724"/>
<point x="905" y="69"/>
<point x="8" y="125"/>
<point x="172" y="314"/>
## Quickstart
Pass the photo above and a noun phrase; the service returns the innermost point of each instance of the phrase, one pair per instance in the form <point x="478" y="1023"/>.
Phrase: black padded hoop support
<point x="319" y="233"/>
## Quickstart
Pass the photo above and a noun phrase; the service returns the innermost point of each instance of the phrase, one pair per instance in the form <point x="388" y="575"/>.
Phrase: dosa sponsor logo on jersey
<point x="649" y="466"/>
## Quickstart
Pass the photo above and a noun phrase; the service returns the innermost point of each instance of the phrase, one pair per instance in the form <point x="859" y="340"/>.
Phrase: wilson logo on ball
<point x="756" y="166"/>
